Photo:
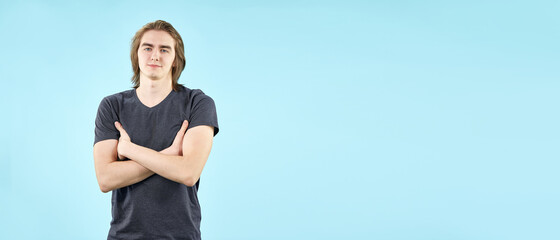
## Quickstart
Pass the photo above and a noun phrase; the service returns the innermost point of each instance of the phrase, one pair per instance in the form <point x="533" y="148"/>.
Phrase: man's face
<point x="156" y="54"/>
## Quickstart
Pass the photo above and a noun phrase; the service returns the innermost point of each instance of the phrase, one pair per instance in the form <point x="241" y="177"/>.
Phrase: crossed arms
<point x="181" y="162"/>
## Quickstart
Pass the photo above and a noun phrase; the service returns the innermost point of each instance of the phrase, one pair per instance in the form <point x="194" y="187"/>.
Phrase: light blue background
<point x="338" y="120"/>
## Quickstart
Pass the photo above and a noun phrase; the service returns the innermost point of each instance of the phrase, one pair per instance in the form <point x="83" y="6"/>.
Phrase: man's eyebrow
<point x="151" y="45"/>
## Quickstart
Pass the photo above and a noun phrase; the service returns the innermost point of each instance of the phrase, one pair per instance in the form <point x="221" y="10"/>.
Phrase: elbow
<point x="190" y="181"/>
<point x="189" y="177"/>
<point x="105" y="189"/>
<point x="104" y="186"/>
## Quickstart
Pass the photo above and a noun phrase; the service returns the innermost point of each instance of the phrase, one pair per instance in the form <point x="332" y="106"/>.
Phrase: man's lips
<point x="154" y="66"/>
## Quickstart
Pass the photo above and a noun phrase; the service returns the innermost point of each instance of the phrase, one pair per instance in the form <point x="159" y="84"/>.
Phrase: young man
<point x="152" y="142"/>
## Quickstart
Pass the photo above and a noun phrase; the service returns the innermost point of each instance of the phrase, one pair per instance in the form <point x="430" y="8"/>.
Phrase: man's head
<point x="157" y="49"/>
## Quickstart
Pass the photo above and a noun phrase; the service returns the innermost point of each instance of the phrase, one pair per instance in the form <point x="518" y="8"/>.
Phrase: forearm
<point x="120" y="174"/>
<point x="172" y="167"/>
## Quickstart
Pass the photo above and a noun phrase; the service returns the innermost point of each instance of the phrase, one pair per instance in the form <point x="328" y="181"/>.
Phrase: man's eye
<point x="147" y="49"/>
<point x="163" y="50"/>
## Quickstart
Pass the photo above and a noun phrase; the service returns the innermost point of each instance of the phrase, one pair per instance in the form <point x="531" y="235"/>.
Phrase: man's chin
<point x="154" y="77"/>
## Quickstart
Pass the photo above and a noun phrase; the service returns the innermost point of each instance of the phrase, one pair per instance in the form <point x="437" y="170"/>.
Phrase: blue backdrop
<point x="338" y="119"/>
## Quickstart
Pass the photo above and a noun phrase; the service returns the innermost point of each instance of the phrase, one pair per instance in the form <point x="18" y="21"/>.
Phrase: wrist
<point x="127" y="148"/>
<point x="171" y="150"/>
<point x="167" y="151"/>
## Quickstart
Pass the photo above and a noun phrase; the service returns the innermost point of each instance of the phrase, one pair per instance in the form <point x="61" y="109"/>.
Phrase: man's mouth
<point x="154" y="66"/>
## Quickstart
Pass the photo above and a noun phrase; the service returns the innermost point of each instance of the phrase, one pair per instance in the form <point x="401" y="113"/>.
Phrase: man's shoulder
<point x="115" y="100"/>
<point x="119" y="96"/>
<point x="192" y="93"/>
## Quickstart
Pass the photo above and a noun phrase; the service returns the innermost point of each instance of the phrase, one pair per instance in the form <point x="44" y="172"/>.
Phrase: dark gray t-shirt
<point x="155" y="208"/>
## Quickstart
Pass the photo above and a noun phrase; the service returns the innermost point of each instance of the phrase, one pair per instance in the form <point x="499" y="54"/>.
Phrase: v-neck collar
<point x="155" y="106"/>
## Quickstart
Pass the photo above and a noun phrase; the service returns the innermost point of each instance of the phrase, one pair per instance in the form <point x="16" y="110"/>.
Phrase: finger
<point x="121" y="130"/>
<point x="181" y="131"/>
<point x="118" y="126"/>
<point x="185" y="125"/>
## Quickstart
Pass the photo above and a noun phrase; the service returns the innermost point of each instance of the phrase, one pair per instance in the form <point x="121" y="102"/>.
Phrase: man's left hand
<point x="123" y="140"/>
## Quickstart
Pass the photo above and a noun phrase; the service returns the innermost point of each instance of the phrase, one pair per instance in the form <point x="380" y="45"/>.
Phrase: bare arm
<point x="112" y="174"/>
<point x="185" y="169"/>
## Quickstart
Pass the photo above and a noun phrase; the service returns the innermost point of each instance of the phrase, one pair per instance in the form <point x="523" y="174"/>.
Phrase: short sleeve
<point x="105" y="122"/>
<point x="203" y="113"/>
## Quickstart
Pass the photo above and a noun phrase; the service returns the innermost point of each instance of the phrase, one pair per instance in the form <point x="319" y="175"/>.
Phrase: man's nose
<point x="155" y="55"/>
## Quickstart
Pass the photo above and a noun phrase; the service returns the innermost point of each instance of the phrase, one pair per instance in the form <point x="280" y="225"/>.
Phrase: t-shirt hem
<point x="216" y="128"/>
<point x="104" y="138"/>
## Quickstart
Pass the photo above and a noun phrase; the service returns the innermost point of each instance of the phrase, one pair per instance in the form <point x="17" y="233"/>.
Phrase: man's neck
<point x="151" y="92"/>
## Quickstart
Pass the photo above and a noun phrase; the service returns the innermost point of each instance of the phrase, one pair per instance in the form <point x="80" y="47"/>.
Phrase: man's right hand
<point x="176" y="147"/>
